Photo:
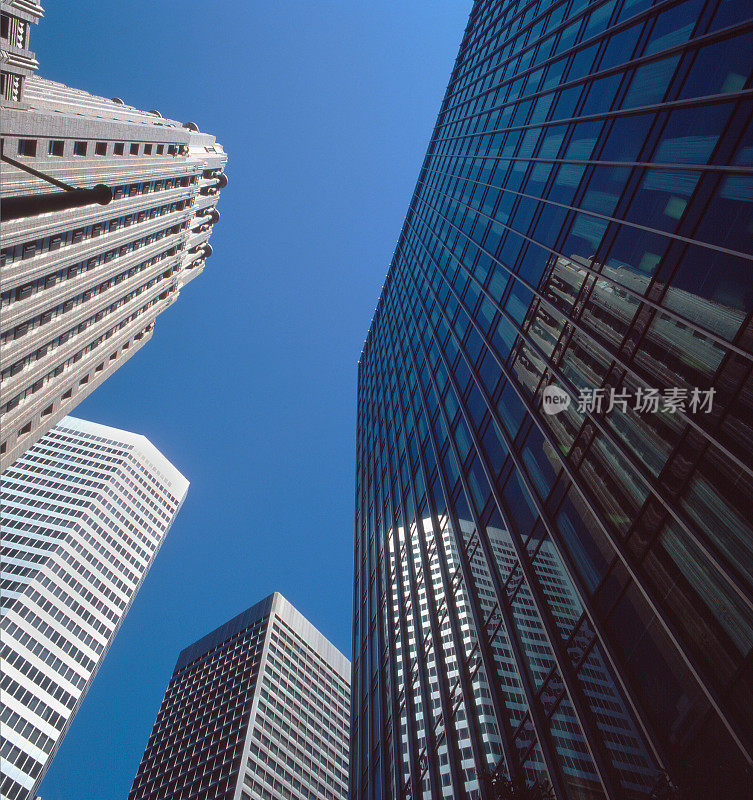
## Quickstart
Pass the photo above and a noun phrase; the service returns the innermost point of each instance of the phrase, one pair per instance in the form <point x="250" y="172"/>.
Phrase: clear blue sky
<point x="249" y="383"/>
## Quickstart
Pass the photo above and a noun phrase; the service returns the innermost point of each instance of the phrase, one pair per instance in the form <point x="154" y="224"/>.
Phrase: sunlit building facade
<point x="81" y="288"/>
<point x="553" y="551"/>
<point x="84" y="512"/>
<point x="256" y="710"/>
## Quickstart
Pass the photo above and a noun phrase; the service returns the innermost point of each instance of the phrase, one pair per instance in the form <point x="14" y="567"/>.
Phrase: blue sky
<point x="249" y="383"/>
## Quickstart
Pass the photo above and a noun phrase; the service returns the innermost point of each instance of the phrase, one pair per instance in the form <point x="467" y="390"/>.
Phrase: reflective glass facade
<point x="566" y="599"/>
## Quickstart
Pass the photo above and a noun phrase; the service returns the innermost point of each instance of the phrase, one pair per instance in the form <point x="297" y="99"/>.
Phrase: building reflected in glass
<point x="566" y="599"/>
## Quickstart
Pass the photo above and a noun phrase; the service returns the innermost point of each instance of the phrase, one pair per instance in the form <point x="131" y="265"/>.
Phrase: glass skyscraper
<point x="84" y="513"/>
<point x="553" y="551"/>
<point x="258" y="709"/>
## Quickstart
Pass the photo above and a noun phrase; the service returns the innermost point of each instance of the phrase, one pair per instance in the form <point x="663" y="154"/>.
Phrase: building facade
<point x="553" y="540"/>
<point x="256" y="710"/>
<point x="18" y="62"/>
<point x="80" y="289"/>
<point x="84" y="513"/>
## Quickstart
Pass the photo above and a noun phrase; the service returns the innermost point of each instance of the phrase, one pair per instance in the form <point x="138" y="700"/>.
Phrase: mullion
<point x="424" y="687"/>
<point x="728" y="573"/>
<point x="463" y="680"/>
<point x="490" y="662"/>
<point x="601" y="760"/>
<point x="467" y="696"/>
<point x="621" y="552"/>
<point x="402" y="624"/>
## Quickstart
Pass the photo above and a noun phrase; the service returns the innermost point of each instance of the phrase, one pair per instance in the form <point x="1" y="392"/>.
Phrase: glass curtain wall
<point x="563" y="596"/>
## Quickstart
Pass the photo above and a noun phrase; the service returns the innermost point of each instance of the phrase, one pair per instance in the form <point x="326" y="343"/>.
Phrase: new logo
<point x="554" y="399"/>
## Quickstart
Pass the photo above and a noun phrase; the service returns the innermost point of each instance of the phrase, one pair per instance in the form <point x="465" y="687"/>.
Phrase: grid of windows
<point x="260" y="706"/>
<point x="565" y="599"/>
<point x="76" y="284"/>
<point x="194" y="750"/>
<point x="83" y="514"/>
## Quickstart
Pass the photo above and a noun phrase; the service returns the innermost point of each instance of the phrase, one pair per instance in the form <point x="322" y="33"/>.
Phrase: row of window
<point x="27" y="730"/>
<point x="320" y="686"/>
<point x="42" y="681"/>
<point x="68" y="364"/>
<point x="51" y="661"/>
<point x="58" y="148"/>
<point x="54" y="242"/>
<point x="139" y="512"/>
<point x="312" y="751"/>
<point x="68" y="305"/>
<point x="302" y="653"/>
<point x="22" y="761"/>
<point x="58" y="614"/>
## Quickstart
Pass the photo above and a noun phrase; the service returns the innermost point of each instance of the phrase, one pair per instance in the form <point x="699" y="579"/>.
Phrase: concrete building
<point x="256" y="710"/>
<point x="81" y="288"/>
<point x="84" y="513"/>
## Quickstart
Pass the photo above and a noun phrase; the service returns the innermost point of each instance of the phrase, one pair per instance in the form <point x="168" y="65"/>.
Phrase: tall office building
<point x="553" y="548"/>
<point x="80" y="289"/>
<point x="256" y="710"/>
<point x="84" y="513"/>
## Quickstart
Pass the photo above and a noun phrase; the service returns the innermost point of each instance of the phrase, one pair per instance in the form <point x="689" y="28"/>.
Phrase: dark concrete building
<point x="256" y="710"/>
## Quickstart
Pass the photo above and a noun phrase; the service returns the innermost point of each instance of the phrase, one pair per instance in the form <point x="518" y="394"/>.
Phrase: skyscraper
<point x="256" y="709"/>
<point x="553" y="536"/>
<point x="81" y="288"/>
<point x="84" y="513"/>
<point x="16" y="19"/>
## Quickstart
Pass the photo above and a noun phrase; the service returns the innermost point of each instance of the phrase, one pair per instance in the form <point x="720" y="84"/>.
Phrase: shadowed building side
<point x="560" y="597"/>
<point x="257" y="709"/>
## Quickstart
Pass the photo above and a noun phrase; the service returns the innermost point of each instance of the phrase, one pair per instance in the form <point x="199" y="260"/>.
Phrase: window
<point x="118" y="148"/>
<point x="147" y="149"/>
<point x="100" y="148"/>
<point x="22" y="292"/>
<point x="79" y="148"/>
<point x="27" y="147"/>
<point x="160" y="149"/>
<point x="4" y="26"/>
<point x="134" y="149"/>
<point x="55" y="147"/>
